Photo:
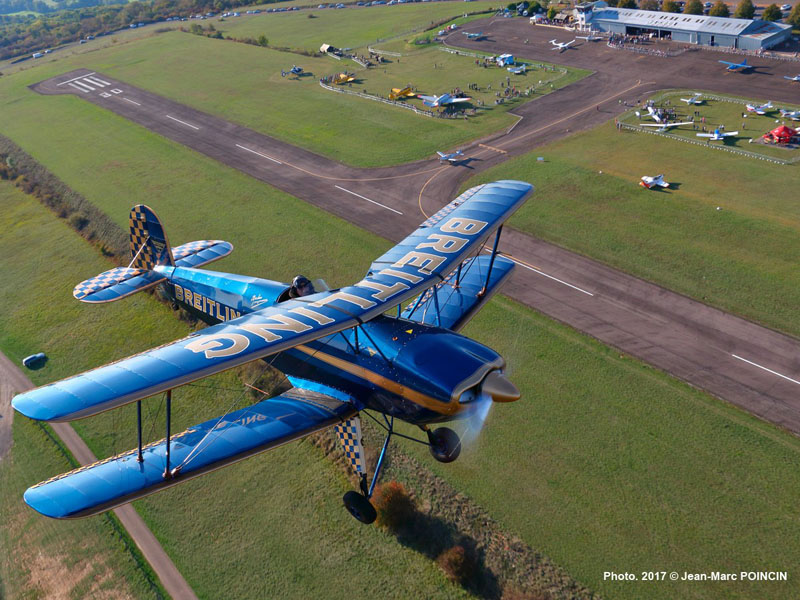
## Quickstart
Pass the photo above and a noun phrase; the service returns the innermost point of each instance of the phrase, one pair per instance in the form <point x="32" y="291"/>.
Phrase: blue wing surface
<point x="202" y="448"/>
<point x="423" y="259"/>
<point x="452" y="306"/>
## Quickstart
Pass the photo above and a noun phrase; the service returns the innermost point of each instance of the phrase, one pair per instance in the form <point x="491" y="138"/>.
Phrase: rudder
<point x="149" y="243"/>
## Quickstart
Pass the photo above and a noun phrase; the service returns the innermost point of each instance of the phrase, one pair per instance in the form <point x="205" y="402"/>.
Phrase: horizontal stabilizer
<point x="451" y="306"/>
<point x="110" y="482"/>
<point x="124" y="281"/>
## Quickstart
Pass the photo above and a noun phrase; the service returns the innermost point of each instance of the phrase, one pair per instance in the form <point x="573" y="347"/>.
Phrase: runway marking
<point x="97" y="81"/>
<point x="131" y="101"/>
<point x="74" y="78"/>
<point x="750" y="362"/>
<point x="259" y="154"/>
<point x="182" y="122"/>
<point x="81" y="85"/>
<point x="530" y="267"/>
<point x="338" y="187"/>
<point x="493" y="148"/>
<point x="78" y="88"/>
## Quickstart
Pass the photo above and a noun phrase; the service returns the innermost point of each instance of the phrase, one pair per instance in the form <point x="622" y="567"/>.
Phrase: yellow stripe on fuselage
<point x="443" y="408"/>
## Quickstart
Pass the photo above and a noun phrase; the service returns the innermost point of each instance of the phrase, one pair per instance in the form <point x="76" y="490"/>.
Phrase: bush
<point x="457" y="564"/>
<point x="693" y="7"/>
<point x="396" y="509"/>
<point x="794" y="16"/>
<point x="78" y="221"/>
<point x="745" y="10"/>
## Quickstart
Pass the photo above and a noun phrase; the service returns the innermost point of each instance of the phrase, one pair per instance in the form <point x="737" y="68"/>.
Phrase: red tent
<point x="781" y="135"/>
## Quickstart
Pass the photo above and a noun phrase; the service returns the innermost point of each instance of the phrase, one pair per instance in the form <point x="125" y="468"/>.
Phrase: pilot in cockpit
<point x="301" y="286"/>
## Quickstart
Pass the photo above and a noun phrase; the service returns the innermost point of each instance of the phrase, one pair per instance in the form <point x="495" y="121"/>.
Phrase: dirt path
<point x="13" y="381"/>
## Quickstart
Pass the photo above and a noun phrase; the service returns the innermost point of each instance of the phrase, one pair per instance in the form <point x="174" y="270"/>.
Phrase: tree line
<point x="744" y="10"/>
<point x="19" y="36"/>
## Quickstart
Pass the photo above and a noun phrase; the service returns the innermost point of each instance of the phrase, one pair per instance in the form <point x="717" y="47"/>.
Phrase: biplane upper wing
<point x="92" y="489"/>
<point x="423" y="259"/>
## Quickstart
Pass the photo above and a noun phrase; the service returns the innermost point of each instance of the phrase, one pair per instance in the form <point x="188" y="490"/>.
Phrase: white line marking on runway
<point x="182" y="122"/>
<point x="131" y="101"/>
<point x="259" y="154"/>
<point x="82" y="85"/>
<point x="530" y="268"/>
<point x="74" y="78"/>
<point x="78" y="88"/>
<point x="97" y="81"/>
<point x="750" y="362"/>
<point x="368" y="200"/>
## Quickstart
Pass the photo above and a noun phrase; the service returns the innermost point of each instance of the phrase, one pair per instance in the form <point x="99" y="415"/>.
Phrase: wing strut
<point x="491" y="262"/>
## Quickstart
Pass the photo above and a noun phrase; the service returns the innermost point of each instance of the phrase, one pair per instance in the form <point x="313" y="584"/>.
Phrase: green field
<point x="742" y="258"/>
<point x="729" y="114"/>
<point x="243" y="84"/>
<point x="348" y="28"/>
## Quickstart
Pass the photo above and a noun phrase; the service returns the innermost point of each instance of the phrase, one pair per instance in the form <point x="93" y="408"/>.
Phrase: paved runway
<point x="753" y="367"/>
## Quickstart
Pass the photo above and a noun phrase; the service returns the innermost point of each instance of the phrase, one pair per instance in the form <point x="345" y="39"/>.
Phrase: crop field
<point x="741" y="257"/>
<point x="727" y="114"/>
<point x="604" y="464"/>
<point x="243" y="83"/>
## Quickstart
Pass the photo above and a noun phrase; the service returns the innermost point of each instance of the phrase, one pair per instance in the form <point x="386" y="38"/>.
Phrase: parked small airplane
<point x="794" y="115"/>
<point x="341" y="78"/>
<point x="452" y="157"/>
<point x="474" y="36"/>
<point x="655" y="115"/>
<point x="759" y="109"/>
<point x="695" y="99"/>
<point x="517" y="70"/>
<point x="664" y="127"/>
<point x="442" y="100"/>
<point x="736" y="66"/>
<point x="589" y="38"/>
<point x="795" y="78"/>
<point x="649" y="182"/>
<point x="398" y="93"/>
<point x="718" y="135"/>
<point x="295" y="70"/>
<point x="561" y="46"/>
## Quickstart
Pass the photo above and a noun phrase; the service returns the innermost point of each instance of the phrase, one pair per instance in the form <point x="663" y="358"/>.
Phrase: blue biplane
<point x="342" y="351"/>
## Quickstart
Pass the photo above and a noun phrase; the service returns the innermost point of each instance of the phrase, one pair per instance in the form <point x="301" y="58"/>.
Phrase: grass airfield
<point x="605" y="464"/>
<point x="742" y="258"/>
<point x="243" y="83"/>
<point x="611" y="460"/>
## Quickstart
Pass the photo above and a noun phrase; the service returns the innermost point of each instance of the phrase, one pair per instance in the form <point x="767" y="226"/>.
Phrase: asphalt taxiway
<point x="748" y="365"/>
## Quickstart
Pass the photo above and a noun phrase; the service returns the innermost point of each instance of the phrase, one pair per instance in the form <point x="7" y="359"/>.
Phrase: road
<point x="13" y="380"/>
<point x="748" y="365"/>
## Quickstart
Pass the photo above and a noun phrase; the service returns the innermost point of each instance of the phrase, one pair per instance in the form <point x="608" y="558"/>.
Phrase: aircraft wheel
<point x="445" y="444"/>
<point x="360" y="507"/>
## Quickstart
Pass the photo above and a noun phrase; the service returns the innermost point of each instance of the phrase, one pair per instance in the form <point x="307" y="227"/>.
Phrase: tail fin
<point x="149" y="243"/>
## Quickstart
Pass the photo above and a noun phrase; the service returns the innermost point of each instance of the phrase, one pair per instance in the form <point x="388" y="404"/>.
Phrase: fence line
<point x="755" y="53"/>
<point x="739" y="151"/>
<point x="379" y="99"/>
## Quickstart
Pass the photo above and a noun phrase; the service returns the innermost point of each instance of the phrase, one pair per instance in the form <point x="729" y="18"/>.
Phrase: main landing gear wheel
<point x="445" y="445"/>
<point x="360" y="507"/>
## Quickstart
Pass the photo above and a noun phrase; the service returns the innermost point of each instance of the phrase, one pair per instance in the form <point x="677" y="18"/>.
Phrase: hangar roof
<point x="652" y="19"/>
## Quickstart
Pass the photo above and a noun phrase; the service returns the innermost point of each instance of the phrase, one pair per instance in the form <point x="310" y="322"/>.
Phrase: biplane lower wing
<point x="420" y="261"/>
<point x="113" y="481"/>
<point x="453" y="302"/>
